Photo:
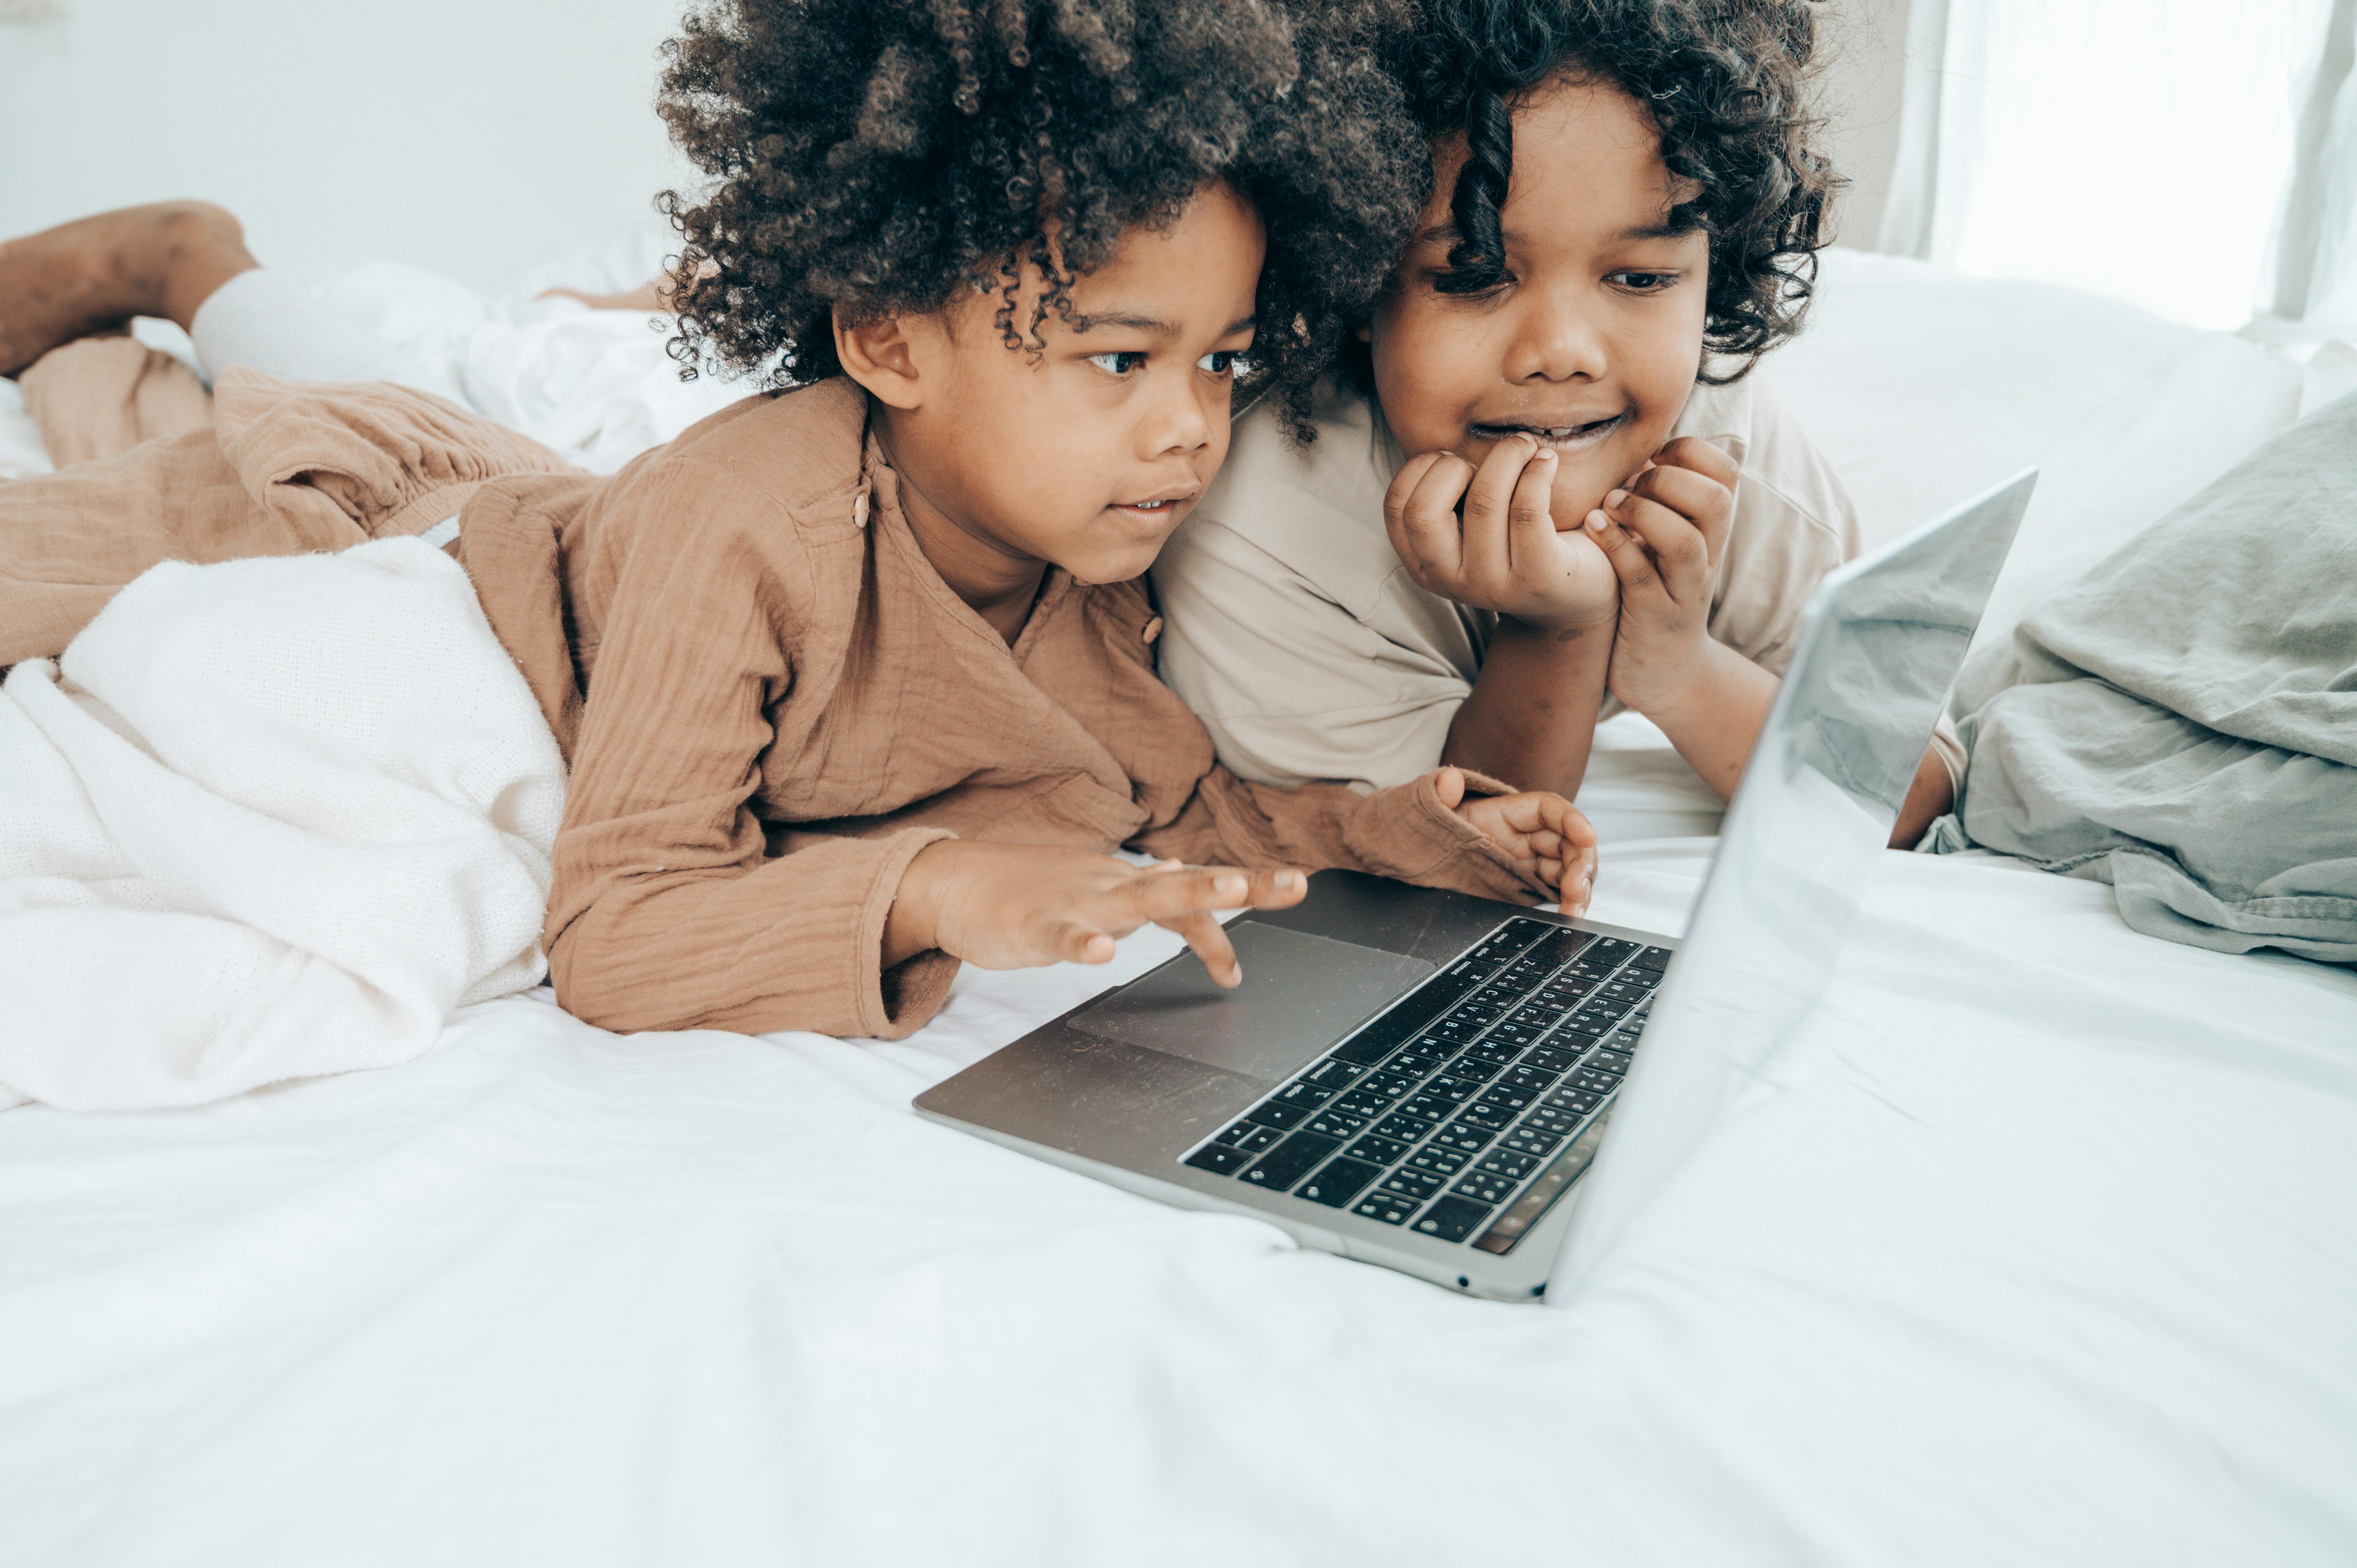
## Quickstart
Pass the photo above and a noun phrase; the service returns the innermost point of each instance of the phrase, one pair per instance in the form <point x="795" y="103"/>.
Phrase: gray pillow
<point x="2181" y="723"/>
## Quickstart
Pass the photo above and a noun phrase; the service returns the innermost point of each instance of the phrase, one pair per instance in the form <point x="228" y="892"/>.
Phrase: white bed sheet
<point x="2033" y="1248"/>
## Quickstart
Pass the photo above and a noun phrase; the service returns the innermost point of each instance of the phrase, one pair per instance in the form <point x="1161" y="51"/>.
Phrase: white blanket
<point x="266" y="819"/>
<point x="2032" y="1249"/>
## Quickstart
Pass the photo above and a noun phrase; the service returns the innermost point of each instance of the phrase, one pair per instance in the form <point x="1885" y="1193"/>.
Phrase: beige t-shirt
<point x="1309" y="652"/>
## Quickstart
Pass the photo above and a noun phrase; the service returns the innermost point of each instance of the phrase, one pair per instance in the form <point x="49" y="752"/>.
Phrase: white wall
<point x="478" y="137"/>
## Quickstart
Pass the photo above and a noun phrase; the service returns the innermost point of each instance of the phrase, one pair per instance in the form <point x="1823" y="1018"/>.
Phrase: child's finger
<point x="1420" y="513"/>
<point x="1632" y="562"/>
<point x="1077" y="942"/>
<point x="1679" y="554"/>
<point x="1697" y="456"/>
<point x="1488" y="503"/>
<point x="1530" y="515"/>
<point x="1700" y="500"/>
<point x="1210" y="940"/>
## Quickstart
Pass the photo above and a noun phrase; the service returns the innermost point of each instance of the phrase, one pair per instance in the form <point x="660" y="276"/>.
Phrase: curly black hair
<point x="1727" y="82"/>
<point x="875" y="157"/>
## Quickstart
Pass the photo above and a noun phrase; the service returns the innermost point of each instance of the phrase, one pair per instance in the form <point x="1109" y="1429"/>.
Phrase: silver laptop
<point x="1483" y="1095"/>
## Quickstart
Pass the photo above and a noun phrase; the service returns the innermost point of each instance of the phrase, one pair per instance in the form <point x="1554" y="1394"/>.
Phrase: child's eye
<point x="1221" y="361"/>
<point x="1645" y="283"/>
<point x="1119" y="364"/>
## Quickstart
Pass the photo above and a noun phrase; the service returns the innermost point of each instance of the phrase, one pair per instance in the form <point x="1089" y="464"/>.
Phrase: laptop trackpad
<point x="1301" y="993"/>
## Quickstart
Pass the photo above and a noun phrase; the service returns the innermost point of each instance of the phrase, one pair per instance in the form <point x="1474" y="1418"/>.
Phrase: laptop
<point x="1484" y="1095"/>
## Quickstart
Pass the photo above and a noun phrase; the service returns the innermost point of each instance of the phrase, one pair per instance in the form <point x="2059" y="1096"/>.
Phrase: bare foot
<point x="650" y="297"/>
<point x="82" y="277"/>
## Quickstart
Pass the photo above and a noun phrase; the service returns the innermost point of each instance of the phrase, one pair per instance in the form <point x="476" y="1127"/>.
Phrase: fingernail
<point x="1615" y="499"/>
<point x="1228" y="886"/>
<point x="1291" y="881"/>
<point x="1547" y="454"/>
<point x="1596" y="522"/>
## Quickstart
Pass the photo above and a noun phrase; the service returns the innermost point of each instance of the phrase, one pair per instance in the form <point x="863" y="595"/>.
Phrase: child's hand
<point x="1549" y="839"/>
<point x="1663" y="535"/>
<point x="1020" y="905"/>
<point x="1505" y="553"/>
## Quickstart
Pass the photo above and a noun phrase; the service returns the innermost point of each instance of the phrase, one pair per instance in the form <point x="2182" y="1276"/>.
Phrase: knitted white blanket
<point x="266" y="819"/>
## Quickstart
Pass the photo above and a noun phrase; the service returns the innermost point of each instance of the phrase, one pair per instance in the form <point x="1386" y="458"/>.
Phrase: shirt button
<point x="1153" y="630"/>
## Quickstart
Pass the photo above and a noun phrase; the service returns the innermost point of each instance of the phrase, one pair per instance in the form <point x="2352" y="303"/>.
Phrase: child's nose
<point x="1556" y="338"/>
<point x="1178" y="423"/>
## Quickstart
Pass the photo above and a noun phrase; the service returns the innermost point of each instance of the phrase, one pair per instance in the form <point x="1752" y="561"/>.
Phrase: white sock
<point x="268" y="322"/>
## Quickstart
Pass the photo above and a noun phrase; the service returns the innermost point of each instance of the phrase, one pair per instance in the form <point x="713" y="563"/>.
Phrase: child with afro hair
<point x="1545" y="486"/>
<point x="855" y="679"/>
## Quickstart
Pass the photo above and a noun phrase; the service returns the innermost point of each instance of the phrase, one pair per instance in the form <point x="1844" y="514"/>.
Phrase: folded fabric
<point x="264" y="820"/>
<point x="2182" y="722"/>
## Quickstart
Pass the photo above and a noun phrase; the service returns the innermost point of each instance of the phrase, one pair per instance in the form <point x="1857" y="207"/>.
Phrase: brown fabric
<point x="286" y="470"/>
<point x="784" y="702"/>
<point x="98" y="397"/>
<point x="769" y="700"/>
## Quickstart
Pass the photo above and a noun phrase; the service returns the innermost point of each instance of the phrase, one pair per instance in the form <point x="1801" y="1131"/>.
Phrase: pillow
<point x="1923" y="386"/>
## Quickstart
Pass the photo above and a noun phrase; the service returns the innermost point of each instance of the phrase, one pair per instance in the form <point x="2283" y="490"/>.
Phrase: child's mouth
<point x="1562" y="438"/>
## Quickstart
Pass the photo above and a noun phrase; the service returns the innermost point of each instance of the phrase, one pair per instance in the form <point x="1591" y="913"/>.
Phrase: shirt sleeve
<point x="1292" y="686"/>
<point x="667" y="913"/>
<point x="1403" y="832"/>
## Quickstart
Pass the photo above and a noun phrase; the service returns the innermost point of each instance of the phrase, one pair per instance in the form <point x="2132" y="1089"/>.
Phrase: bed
<point x="2031" y="1247"/>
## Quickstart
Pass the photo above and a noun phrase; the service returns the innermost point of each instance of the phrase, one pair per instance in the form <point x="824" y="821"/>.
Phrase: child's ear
<point x="882" y="357"/>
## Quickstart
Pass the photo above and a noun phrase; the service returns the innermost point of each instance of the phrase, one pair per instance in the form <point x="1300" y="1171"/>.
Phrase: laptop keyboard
<point x="1466" y="1109"/>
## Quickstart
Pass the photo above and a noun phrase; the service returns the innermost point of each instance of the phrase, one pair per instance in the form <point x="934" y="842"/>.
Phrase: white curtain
<point x="2195" y="157"/>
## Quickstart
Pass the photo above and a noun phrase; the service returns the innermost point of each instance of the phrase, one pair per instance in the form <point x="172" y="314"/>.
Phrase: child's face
<point x="1088" y="455"/>
<point x="1592" y="340"/>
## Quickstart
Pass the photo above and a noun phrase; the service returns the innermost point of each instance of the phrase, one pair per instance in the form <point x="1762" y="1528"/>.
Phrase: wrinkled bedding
<point x="2182" y="722"/>
<point x="2030" y="1248"/>
<point x="264" y="820"/>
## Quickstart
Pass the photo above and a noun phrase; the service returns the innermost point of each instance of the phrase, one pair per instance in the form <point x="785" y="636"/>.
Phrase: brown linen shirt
<point x="769" y="698"/>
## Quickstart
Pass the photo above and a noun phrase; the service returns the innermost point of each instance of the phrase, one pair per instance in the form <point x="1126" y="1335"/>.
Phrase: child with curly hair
<point x="1542" y="488"/>
<point x="856" y="680"/>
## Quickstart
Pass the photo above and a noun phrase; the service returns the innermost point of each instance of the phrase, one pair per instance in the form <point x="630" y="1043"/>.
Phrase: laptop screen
<point x="1879" y="650"/>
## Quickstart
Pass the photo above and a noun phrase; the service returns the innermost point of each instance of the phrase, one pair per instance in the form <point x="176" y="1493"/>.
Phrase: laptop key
<point x="1309" y="1096"/>
<point x="1334" y="1073"/>
<point x="1389" y="1081"/>
<point x="1390" y="1207"/>
<point x="1508" y="1163"/>
<point x="1416" y="1183"/>
<point x="1494" y="1051"/>
<point x="1452" y="1219"/>
<point x="1270" y="1114"/>
<point x="1362" y="1101"/>
<point x="1576" y="1098"/>
<point x="1250" y="1136"/>
<point x="1383" y="1151"/>
<point x="1527" y="1139"/>
<point x="1220" y="1158"/>
<point x="1507" y="1097"/>
<point x="1471" y="1068"/>
<point x="1429" y="1106"/>
<point x="1481" y="1113"/>
<point x="1548" y="1057"/>
<point x="1406" y="1128"/>
<point x="1338" y="1182"/>
<point x="1517" y="1035"/>
<point x="1451" y="1088"/>
<point x="1465" y="1137"/>
<point x="1655" y="958"/>
<point x="1562" y="945"/>
<point x="1290" y="1161"/>
<point x="1484" y="1188"/>
<point x="1440" y="1160"/>
<point x="1334" y="1123"/>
